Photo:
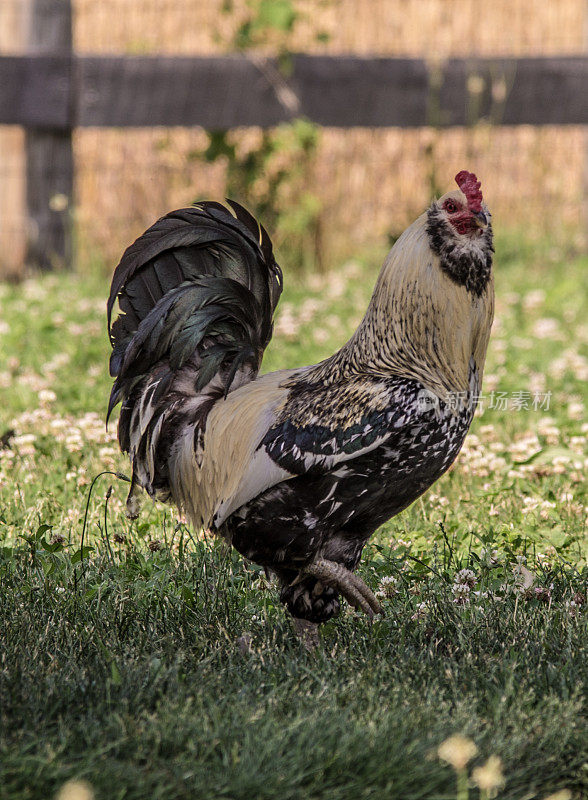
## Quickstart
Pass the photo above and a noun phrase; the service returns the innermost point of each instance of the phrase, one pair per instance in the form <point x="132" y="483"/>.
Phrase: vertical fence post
<point x="49" y="152"/>
<point x="13" y="27"/>
<point x="585" y="175"/>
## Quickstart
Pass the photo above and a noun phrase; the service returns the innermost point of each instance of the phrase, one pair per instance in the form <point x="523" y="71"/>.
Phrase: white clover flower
<point x="461" y="593"/>
<point x="564" y="794"/>
<point x="320" y="335"/>
<point x="389" y="579"/>
<point x="547" y="328"/>
<point x="466" y="576"/>
<point x="457" y="751"/>
<point x="47" y="396"/>
<point x="388" y="586"/>
<point x="575" y="410"/>
<point x="533" y="299"/>
<point x="489" y="777"/>
<point x="24" y="444"/>
<point x="421" y="611"/>
<point x="76" y="790"/>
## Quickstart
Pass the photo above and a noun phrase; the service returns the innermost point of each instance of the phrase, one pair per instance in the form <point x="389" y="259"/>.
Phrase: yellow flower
<point x="489" y="777"/>
<point x="564" y="794"/>
<point x="457" y="751"/>
<point x="75" y="790"/>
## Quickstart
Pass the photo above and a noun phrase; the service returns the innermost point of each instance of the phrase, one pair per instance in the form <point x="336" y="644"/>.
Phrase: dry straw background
<point x="370" y="182"/>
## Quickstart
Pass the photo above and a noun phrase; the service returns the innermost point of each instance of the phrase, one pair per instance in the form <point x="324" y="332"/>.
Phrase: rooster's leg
<point x="134" y="500"/>
<point x="351" y="586"/>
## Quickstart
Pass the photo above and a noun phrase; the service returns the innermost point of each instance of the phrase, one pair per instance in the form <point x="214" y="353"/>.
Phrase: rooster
<point x="297" y="468"/>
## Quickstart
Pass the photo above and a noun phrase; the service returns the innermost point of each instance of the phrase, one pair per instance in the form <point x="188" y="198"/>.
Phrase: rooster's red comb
<point x="470" y="186"/>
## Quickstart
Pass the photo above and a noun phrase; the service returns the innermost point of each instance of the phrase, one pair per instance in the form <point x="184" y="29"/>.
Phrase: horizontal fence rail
<point x="60" y="92"/>
<point x="51" y="90"/>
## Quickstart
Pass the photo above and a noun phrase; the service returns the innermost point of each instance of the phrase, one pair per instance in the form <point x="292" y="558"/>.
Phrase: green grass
<point x="162" y="666"/>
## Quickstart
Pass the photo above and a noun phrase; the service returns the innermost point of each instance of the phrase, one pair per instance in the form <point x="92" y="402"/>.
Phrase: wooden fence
<point x="50" y="90"/>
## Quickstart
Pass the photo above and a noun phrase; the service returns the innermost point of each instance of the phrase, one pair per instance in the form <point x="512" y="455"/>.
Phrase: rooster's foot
<point x="351" y="586"/>
<point x="133" y="500"/>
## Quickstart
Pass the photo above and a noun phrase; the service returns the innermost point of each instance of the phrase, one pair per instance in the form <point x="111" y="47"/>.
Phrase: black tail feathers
<point x="200" y="285"/>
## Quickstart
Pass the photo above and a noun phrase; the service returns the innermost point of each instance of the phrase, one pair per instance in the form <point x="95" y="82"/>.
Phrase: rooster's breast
<point x="334" y="512"/>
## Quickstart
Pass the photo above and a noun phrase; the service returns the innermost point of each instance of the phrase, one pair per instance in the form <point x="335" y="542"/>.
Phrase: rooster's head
<point x="432" y="307"/>
<point x="460" y="233"/>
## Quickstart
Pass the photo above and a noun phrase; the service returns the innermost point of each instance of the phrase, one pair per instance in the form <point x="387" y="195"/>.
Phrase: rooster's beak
<point x="481" y="219"/>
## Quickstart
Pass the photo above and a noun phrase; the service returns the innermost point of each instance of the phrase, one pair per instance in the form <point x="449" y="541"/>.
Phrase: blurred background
<point x="324" y="193"/>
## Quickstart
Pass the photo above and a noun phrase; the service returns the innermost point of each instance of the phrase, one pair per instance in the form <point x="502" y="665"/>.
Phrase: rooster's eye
<point x="450" y="206"/>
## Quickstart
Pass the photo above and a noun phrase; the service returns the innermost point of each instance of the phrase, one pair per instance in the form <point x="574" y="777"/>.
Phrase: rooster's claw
<point x="351" y="586"/>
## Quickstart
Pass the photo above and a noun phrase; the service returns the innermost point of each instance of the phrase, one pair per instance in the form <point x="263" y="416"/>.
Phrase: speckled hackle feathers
<point x="470" y="186"/>
<point x="297" y="468"/>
